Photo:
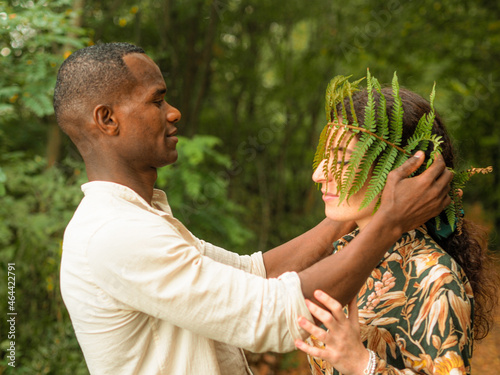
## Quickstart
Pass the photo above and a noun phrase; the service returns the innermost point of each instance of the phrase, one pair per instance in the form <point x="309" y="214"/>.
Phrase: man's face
<point x="147" y="132"/>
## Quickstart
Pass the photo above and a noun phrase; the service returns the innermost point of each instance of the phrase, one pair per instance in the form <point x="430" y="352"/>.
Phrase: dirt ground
<point x="486" y="359"/>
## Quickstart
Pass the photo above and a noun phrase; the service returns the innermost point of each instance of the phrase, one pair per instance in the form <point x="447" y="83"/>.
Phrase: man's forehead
<point x="146" y="72"/>
<point x="137" y="60"/>
<point x="148" y="78"/>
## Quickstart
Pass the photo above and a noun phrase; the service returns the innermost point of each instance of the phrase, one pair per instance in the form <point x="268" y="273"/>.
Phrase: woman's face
<point x="347" y="210"/>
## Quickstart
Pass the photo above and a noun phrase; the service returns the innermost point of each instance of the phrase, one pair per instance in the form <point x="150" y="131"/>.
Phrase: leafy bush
<point x="197" y="189"/>
<point x="35" y="207"/>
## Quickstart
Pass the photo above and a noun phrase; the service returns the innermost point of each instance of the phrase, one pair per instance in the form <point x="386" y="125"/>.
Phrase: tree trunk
<point x="54" y="140"/>
<point x="265" y="203"/>
<point x="204" y="72"/>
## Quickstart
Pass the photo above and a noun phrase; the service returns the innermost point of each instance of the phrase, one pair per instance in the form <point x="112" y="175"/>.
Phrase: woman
<point x="429" y="297"/>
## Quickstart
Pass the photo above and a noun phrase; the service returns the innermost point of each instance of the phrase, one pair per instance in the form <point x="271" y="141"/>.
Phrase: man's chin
<point x="172" y="158"/>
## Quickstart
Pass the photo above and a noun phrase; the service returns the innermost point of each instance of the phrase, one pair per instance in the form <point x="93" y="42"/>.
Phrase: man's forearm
<point x="306" y="249"/>
<point x="342" y="275"/>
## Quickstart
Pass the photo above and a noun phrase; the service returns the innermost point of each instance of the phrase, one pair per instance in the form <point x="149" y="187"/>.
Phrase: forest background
<point x="249" y="78"/>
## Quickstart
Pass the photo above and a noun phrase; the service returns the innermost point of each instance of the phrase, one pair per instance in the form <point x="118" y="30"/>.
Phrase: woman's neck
<point x="363" y="222"/>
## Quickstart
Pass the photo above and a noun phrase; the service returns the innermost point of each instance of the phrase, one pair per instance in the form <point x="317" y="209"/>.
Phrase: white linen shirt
<point x="146" y="296"/>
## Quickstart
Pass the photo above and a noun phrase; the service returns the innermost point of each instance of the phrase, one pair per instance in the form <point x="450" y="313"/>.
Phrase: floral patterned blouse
<point x="415" y="311"/>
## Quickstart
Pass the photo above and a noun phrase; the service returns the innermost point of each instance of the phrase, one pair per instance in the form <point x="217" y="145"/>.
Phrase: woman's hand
<point x="344" y="349"/>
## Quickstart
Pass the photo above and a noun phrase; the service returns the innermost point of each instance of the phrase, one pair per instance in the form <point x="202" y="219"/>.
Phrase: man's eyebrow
<point x="159" y="92"/>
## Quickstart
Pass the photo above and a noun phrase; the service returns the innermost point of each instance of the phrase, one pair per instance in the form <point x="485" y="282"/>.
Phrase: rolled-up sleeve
<point x="152" y="268"/>
<point x="249" y="263"/>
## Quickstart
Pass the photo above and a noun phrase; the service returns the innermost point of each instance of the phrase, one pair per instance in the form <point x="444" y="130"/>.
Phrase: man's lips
<point x="172" y="136"/>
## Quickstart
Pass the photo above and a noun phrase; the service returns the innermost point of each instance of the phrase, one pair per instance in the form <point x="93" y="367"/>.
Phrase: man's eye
<point x="159" y="102"/>
<point x="345" y="162"/>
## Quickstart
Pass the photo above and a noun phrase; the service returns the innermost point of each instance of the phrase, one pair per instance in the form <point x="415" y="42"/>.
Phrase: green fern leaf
<point x="320" y="150"/>
<point x="436" y="141"/>
<point x="337" y="150"/>
<point x="451" y="214"/>
<point x="370" y="123"/>
<point x="396" y="113"/>
<point x="361" y="148"/>
<point x="365" y="167"/>
<point x="378" y="148"/>
<point x="382" y="120"/>
<point x="379" y="176"/>
<point x="340" y="168"/>
<point x="331" y="150"/>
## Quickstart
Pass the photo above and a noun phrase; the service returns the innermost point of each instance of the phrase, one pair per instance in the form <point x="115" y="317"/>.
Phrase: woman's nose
<point x="318" y="174"/>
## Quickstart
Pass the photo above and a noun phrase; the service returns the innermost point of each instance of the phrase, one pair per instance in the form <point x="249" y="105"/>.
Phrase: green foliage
<point x="36" y="34"/>
<point x="36" y="206"/>
<point x="197" y="188"/>
<point x="379" y="149"/>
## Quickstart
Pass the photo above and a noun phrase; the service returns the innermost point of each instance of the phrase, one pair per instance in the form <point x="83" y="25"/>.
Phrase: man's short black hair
<point x="90" y="74"/>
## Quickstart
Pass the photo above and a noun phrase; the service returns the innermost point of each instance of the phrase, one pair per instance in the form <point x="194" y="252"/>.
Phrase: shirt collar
<point x="159" y="200"/>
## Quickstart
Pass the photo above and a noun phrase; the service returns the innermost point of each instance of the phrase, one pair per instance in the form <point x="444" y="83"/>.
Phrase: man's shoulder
<point x="99" y="218"/>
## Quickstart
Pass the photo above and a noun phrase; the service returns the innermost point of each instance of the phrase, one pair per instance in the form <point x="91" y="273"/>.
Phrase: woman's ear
<point x="106" y="120"/>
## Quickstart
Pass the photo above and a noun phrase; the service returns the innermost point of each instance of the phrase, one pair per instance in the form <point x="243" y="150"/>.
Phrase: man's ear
<point x="106" y="120"/>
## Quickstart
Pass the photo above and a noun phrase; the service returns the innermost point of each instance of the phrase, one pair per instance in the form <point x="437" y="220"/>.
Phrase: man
<point x="147" y="297"/>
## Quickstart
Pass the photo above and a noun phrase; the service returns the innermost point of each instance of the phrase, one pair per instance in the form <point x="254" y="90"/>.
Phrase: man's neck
<point x="141" y="182"/>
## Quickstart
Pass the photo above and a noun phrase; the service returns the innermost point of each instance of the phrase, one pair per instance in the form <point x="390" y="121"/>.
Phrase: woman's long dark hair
<point x="469" y="248"/>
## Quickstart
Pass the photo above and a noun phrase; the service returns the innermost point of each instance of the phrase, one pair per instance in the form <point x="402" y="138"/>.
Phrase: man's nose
<point x="173" y="114"/>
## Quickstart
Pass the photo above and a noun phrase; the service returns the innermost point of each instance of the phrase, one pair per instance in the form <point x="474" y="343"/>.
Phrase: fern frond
<point x="336" y="151"/>
<point x="451" y="211"/>
<point x="365" y="167"/>
<point x="361" y="148"/>
<point x="331" y="166"/>
<point x="426" y="123"/>
<point x="437" y="219"/>
<point x="331" y="96"/>
<point x="344" y="110"/>
<point x="382" y="119"/>
<point x="370" y="123"/>
<point x="340" y="168"/>
<point x="414" y="142"/>
<point x="471" y="172"/>
<point x="379" y="176"/>
<point x="436" y="141"/>
<point x="330" y="150"/>
<point x="396" y="113"/>
<point x="378" y="149"/>
<point x="338" y="88"/>
<point x="320" y="150"/>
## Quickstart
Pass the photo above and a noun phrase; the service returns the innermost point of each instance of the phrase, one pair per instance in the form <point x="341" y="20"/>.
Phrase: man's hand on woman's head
<point x="408" y="203"/>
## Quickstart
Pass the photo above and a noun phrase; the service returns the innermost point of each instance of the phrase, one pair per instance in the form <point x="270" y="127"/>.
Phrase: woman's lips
<point x="329" y="196"/>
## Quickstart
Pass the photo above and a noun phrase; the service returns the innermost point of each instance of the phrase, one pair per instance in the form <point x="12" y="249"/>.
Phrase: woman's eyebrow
<point x="344" y="149"/>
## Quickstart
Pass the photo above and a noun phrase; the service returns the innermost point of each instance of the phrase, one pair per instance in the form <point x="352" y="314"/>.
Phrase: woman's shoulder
<point x="429" y="262"/>
<point x="417" y="244"/>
